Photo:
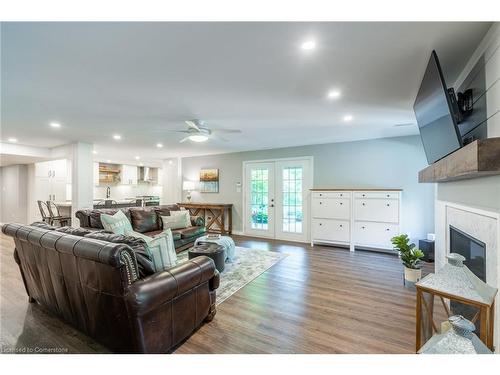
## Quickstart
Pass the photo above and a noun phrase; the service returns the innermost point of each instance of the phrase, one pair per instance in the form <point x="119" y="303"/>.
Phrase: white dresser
<point x="362" y="218"/>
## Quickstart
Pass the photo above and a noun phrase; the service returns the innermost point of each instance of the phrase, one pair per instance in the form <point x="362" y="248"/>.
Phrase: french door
<point x="276" y="198"/>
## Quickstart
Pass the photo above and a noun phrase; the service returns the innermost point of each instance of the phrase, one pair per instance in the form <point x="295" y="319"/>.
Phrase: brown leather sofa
<point x="147" y="220"/>
<point x="95" y="286"/>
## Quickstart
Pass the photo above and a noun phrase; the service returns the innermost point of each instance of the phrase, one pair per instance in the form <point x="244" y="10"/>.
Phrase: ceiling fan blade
<point x="184" y="139"/>
<point x="216" y="136"/>
<point x="192" y="124"/>
<point x="227" y="131"/>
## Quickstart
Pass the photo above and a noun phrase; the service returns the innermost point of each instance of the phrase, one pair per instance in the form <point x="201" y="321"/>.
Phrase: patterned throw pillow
<point x="184" y="214"/>
<point x="117" y="223"/>
<point x="176" y="221"/>
<point x="161" y="249"/>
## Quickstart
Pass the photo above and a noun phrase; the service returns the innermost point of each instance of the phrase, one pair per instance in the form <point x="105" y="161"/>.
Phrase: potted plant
<point x="410" y="256"/>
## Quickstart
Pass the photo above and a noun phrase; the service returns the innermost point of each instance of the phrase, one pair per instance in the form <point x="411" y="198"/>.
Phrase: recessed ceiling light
<point x="55" y="125"/>
<point x="94" y="152"/>
<point x="198" y="138"/>
<point x="137" y="157"/>
<point x="117" y="137"/>
<point x="333" y="94"/>
<point x="108" y="161"/>
<point x="308" y="45"/>
<point x="347" y="118"/>
<point x="12" y="140"/>
<point x="141" y="164"/>
<point x="159" y="145"/>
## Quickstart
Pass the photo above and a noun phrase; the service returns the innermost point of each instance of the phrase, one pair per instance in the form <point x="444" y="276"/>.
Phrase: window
<point x="259" y="196"/>
<point x="292" y="199"/>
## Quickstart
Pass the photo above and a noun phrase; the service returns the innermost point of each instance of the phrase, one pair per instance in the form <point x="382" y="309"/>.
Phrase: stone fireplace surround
<point x="480" y="223"/>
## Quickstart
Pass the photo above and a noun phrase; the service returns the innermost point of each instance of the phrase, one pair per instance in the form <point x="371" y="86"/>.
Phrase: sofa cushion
<point x="144" y="219"/>
<point x="190" y="231"/>
<point x="165" y="210"/>
<point x="74" y="231"/>
<point x="144" y="261"/>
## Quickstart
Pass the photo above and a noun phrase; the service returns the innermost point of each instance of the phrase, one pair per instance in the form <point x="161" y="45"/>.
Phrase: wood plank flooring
<point x="316" y="300"/>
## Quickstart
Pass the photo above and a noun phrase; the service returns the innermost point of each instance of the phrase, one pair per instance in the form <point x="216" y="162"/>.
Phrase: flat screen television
<point x="435" y="114"/>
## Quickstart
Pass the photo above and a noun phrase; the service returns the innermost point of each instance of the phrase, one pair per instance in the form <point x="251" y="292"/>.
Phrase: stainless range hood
<point x="145" y="175"/>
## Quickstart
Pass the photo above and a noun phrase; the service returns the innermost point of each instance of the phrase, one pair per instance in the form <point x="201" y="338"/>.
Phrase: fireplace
<point x="474" y="252"/>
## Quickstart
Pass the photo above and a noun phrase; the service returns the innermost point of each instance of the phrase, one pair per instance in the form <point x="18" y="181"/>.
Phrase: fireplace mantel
<point x="477" y="159"/>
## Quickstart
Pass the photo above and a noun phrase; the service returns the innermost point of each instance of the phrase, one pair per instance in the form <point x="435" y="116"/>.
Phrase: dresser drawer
<point x="330" y="230"/>
<point x="385" y="210"/>
<point x="331" y="208"/>
<point x="331" y="194"/>
<point x="375" y="234"/>
<point x="376" y="194"/>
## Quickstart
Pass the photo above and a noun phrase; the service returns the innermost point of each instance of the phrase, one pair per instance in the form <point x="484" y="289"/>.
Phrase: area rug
<point x="246" y="266"/>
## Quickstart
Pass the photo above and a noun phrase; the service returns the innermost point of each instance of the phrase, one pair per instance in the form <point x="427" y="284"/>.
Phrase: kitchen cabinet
<point x="129" y="175"/>
<point x="51" y="178"/>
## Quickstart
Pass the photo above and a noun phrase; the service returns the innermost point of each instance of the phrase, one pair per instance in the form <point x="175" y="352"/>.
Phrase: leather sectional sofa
<point x="96" y="285"/>
<point x="147" y="220"/>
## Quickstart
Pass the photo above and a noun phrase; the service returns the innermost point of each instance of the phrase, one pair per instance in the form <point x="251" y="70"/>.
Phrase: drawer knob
<point x="341" y="195"/>
<point x="387" y="195"/>
<point x="321" y="195"/>
<point x="363" y="195"/>
<point x="320" y="202"/>
<point x="387" y="229"/>
<point x="388" y="204"/>
<point x="341" y="225"/>
<point x="341" y="203"/>
<point x="320" y="223"/>
<point x="363" y="204"/>
<point x="362" y="227"/>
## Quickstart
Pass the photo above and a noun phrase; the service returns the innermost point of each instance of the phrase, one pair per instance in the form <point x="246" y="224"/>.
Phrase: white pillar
<point x="172" y="181"/>
<point x="82" y="179"/>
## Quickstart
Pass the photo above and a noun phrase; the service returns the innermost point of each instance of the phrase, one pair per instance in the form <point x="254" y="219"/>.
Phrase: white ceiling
<point x="137" y="79"/>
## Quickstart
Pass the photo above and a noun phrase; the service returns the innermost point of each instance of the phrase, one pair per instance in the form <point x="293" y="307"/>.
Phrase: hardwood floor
<point x="316" y="300"/>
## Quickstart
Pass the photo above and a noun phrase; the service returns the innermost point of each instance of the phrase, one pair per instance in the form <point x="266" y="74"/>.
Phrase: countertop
<point x="355" y="189"/>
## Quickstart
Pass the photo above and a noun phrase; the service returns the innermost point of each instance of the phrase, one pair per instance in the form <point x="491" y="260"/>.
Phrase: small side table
<point x="211" y="250"/>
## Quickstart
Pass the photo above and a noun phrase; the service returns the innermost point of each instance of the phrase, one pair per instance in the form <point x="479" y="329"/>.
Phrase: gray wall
<point x="380" y="163"/>
<point x="483" y="65"/>
<point x="14" y="195"/>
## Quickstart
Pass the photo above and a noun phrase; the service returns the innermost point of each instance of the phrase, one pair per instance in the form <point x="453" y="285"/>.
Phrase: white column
<point x="172" y="181"/>
<point x="82" y="177"/>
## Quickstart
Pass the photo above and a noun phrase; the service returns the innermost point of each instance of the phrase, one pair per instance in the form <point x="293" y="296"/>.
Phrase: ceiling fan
<point x="198" y="132"/>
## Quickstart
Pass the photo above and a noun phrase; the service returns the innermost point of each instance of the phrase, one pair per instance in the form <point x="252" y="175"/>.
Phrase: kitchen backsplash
<point x="127" y="191"/>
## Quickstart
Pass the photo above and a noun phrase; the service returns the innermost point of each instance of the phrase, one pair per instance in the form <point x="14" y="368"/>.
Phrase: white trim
<point x="307" y="227"/>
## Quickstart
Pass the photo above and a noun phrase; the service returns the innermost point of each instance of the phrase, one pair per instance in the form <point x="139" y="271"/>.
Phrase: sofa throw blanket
<point x="160" y="248"/>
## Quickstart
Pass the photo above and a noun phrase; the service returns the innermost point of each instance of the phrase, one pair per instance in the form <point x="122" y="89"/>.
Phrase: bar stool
<point x="44" y="212"/>
<point x="55" y="215"/>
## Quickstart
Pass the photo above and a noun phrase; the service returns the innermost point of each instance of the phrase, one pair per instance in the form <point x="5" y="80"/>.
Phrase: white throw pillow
<point x="184" y="214"/>
<point x="117" y="223"/>
<point x="160" y="248"/>
<point x="175" y="221"/>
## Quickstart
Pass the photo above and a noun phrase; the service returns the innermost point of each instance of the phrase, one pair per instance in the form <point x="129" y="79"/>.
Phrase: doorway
<point x="276" y="198"/>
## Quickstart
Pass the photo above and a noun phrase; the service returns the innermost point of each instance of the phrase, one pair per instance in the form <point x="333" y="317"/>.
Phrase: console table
<point x="218" y="216"/>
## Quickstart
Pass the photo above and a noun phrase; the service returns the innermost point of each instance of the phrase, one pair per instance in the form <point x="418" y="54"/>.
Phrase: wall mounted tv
<point x="438" y="113"/>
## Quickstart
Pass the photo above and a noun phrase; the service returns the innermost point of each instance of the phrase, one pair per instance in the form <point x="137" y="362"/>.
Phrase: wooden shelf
<point x="477" y="159"/>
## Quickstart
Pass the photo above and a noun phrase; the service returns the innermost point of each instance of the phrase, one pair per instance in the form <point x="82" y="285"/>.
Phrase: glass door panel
<point x="292" y="189"/>
<point x="260" y="199"/>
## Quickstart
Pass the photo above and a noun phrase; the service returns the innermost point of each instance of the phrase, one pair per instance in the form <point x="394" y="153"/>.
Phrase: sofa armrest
<point x="197" y="221"/>
<point x="84" y="217"/>
<point x="147" y="294"/>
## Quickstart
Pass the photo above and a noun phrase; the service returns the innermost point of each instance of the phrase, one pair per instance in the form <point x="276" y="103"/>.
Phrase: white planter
<point x="412" y="275"/>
